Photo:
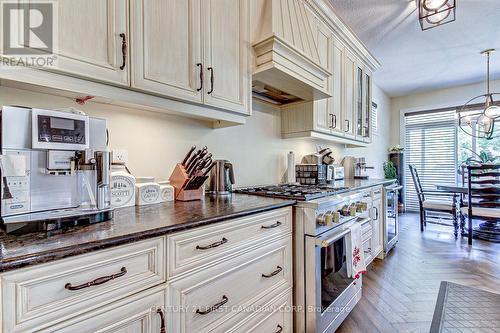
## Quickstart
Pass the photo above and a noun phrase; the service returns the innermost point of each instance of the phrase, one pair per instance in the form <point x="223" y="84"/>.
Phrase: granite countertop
<point x="129" y="225"/>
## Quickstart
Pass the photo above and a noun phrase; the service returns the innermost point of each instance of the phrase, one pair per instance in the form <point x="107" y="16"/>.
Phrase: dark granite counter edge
<point x="65" y="252"/>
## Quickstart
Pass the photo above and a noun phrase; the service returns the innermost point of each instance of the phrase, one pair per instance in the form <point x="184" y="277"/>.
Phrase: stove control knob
<point x="320" y="220"/>
<point x="328" y="218"/>
<point x="344" y="211"/>
<point x="352" y="210"/>
<point x="336" y="217"/>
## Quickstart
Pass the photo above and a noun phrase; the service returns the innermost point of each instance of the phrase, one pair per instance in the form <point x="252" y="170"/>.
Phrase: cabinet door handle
<point x="274" y="225"/>
<point x="366" y="131"/>
<point x="162" y="320"/>
<point x="124" y="50"/>
<point x="334" y="121"/>
<point x="97" y="281"/>
<point x="211" y="246"/>
<point x="211" y="80"/>
<point x="275" y="272"/>
<point x="348" y="127"/>
<point x="376" y="213"/>
<point x="280" y="329"/>
<point x="213" y="307"/>
<point x="201" y="75"/>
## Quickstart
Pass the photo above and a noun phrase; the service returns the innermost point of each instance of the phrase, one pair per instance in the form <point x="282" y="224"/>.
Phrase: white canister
<point x="147" y="192"/>
<point x="167" y="191"/>
<point x="122" y="187"/>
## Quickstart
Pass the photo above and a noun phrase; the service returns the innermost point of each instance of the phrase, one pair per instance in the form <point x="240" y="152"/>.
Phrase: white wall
<point x="156" y="142"/>
<point x="455" y="96"/>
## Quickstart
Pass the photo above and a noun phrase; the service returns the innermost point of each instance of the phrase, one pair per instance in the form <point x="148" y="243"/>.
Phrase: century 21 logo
<point x="28" y="28"/>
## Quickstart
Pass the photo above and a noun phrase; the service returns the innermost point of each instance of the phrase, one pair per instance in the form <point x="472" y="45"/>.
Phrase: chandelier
<point x="433" y="13"/>
<point x="478" y="116"/>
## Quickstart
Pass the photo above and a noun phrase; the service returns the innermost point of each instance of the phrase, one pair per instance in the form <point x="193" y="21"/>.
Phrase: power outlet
<point x="120" y="156"/>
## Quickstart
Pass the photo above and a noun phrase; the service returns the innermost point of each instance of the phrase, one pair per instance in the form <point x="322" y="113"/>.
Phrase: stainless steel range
<point x="324" y="294"/>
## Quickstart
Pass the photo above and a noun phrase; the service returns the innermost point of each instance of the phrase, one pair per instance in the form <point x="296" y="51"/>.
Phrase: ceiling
<point x="415" y="61"/>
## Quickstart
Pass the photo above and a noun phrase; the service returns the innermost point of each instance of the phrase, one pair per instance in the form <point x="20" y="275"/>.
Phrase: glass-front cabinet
<point x="367" y="107"/>
<point x="359" y="102"/>
<point x="363" y="103"/>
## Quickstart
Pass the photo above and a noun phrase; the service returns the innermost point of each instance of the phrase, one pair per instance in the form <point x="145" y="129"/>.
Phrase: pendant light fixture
<point x="480" y="114"/>
<point x="433" y="13"/>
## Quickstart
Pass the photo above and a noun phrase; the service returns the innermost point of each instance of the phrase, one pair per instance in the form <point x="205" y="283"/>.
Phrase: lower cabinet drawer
<point x="202" y="301"/>
<point x="35" y="297"/>
<point x="276" y="317"/>
<point x="193" y="249"/>
<point x="141" y="313"/>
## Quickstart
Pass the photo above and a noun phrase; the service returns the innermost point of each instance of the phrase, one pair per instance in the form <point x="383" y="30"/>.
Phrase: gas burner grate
<point x="291" y="191"/>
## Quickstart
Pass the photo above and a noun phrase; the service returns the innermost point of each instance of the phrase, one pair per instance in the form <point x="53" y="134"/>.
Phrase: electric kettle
<point x="221" y="178"/>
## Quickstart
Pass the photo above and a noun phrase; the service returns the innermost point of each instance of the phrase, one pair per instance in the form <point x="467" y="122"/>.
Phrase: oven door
<point x="329" y="290"/>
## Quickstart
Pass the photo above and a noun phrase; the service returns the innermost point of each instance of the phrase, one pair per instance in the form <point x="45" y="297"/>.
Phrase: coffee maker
<point x="54" y="169"/>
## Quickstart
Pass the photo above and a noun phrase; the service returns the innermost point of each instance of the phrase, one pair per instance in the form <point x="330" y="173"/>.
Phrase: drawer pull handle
<point x="278" y="269"/>
<point x="97" y="281"/>
<point x="280" y="329"/>
<point x="275" y="225"/>
<point x="211" y="246"/>
<point x="162" y="319"/>
<point x="213" y="307"/>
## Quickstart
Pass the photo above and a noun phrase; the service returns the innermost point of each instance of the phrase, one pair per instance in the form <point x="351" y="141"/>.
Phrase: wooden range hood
<point x="286" y="52"/>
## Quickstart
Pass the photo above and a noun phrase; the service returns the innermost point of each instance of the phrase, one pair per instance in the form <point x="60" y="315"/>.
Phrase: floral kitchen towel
<point x="356" y="255"/>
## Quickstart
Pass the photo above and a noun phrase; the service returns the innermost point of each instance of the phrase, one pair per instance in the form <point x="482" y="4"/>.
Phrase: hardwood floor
<point x="400" y="292"/>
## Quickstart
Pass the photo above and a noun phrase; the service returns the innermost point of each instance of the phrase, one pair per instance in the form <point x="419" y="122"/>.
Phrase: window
<point x="374" y="118"/>
<point x="430" y="145"/>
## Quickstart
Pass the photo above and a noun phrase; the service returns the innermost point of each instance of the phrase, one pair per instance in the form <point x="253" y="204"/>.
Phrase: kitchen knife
<point x="188" y="155"/>
<point x="202" y="152"/>
<point x="193" y="158"/>
<point x="207" y="170"/>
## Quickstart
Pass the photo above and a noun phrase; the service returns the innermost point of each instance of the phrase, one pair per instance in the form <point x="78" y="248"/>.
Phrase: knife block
<point x="178" y="180"/>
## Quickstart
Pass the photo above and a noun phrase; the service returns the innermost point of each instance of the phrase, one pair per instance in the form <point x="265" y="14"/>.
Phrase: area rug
<point x="465" y="309"/>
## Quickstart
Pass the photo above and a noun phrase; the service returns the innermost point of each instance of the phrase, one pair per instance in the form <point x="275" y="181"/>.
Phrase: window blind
<point x="431" y="146"/>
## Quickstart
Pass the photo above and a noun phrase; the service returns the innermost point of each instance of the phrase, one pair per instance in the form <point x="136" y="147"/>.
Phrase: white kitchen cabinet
<point x="367" y="105"/>
<point x="349" y="94"/>
<point x="337" y="107"/>
<point x="194" y="250"/>
<point x="141" y="313"/>
<point x="89" y="39"/>
<point x="225" y="54"/>
<point x="35" y="297"/>
<point x="195" y="51"/>
<point x="166" y="48"/>
<point x="215" y="295"/>
<point x="377" y="221"/>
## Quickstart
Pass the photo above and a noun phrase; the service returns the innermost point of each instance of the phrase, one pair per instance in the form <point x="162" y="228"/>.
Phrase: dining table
<point x="453" y="188"/>
<point x="487" y="230"/>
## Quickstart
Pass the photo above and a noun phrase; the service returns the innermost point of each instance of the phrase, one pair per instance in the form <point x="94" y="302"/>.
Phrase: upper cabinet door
<point x="225" y="53"/>
<point x="166" y="48"/>
<point x="89" y="39"/>
<point x="350" y="72"/>
<point x="360" y="125"/>
<point x="337" y="85"/>
<point x="367" y="105"/>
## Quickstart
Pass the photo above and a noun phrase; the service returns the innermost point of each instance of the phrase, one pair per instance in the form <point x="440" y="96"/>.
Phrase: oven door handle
<point x="325" y="242"/>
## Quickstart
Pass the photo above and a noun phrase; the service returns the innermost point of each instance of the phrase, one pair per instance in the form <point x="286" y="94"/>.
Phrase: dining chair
<point x="446" y="206"/>
<point x="483" y="200"/>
